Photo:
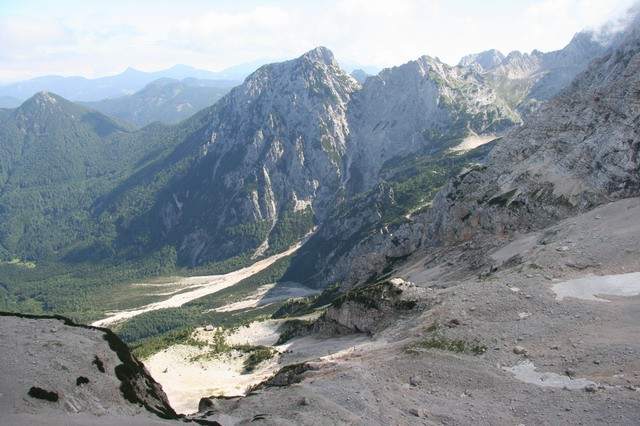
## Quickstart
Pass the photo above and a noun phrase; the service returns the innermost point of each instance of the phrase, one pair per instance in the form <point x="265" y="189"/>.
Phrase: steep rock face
<point x="483" y="61"/>
<point x="580" y="150"/>
<point x="273" y="146"/>
<point x="423" y="106"/>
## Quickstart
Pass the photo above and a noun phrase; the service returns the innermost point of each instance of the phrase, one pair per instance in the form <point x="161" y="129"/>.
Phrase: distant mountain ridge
<point x="167" y="100"/>
<point x="544" y="73"/>
<point x="125" y="83"/>
<point x="9" y="102"/>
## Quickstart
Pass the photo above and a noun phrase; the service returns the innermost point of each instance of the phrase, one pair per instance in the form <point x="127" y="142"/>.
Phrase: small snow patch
<point x="526" y="372"/>
<point x="587" y="288"/>
<point x="473" y="141"/>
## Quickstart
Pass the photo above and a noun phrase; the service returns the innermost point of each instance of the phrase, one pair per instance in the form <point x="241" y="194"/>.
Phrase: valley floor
<point x="553" y="355"/>
<point x="192" y="288"/>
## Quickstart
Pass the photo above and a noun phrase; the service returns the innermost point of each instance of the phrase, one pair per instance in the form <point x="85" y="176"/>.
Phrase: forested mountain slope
<point x="166" y="100"/>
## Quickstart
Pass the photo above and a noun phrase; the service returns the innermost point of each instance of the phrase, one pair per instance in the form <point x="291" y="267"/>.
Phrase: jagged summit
<point x="321" y="54"/>
<point x="487" y="60"/>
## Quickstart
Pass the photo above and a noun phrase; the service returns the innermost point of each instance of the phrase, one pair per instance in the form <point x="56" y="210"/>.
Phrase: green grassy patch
<point x="258" y="354"/>
<point x="444" y="344"/>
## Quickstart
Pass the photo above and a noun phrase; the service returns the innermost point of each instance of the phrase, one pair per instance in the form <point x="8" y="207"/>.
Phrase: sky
<point x="94" y="38"/>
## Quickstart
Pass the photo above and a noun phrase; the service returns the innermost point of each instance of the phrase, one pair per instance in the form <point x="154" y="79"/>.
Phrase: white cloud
<point x="94" y="38"/>
<point x="200" y="30"/>
<point x="17" y="34"/>
<point x="550" y="21"/>
<point x="375" y="8"/>
<point x="577" y="14"/>
<point x="593" y="13"/>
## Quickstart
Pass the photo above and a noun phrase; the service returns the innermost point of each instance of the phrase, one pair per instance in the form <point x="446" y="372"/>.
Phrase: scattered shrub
<point x="82" y="381"/>
<point x="39" y="393"/>
<point x="442" y="343"/>
<point x="98" y="363"/>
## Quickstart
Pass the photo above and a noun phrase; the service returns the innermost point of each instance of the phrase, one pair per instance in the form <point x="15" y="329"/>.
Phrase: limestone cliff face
<point x="299" y="136"/>
<point x="578" y="151"/>
<point x="274" y="145"/>
<point x="422" y="106"/>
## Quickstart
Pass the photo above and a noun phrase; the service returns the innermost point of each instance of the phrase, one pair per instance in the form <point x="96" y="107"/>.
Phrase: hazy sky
<point x="102" y="37"/>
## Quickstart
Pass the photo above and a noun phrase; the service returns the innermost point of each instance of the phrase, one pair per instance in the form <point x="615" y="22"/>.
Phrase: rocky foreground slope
<point x="505" y="348"/>
<point x="55" y="372"/>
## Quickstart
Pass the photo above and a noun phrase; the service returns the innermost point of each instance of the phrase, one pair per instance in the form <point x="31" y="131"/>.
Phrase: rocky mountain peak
<point x="323" y="55"/>
<point x="487" y="60"/>
<point x="428" y="63"/>
<point x="45" y="97"/>
<point x="360" y="75"/>
<point x="313" y="70"/>
<point x="273" y="143"/>
<point x="42" y="101"/>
